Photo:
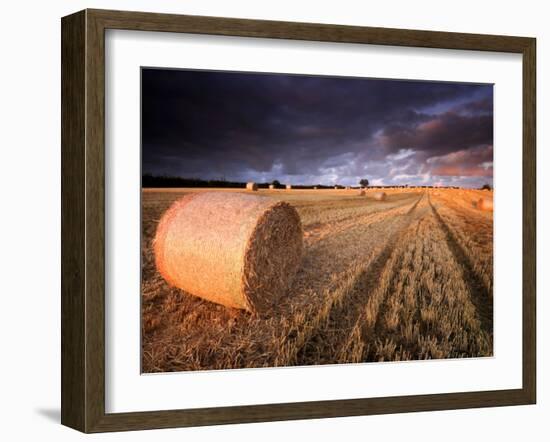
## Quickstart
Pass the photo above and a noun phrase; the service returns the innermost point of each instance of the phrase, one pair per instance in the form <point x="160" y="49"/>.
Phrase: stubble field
<point x="403" y="279"/>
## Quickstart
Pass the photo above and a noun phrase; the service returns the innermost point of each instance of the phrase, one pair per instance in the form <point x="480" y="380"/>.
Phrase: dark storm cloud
<point x="441" y="133"/>
<point x="305" y="129"/>
<point x="482" y="106"/>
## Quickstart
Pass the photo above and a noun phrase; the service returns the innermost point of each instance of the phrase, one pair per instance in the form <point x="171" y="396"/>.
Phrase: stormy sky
<point x="315" y="130"/>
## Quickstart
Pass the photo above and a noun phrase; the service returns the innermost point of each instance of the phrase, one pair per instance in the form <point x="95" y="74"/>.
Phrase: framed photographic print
<point x="267" y="220"/>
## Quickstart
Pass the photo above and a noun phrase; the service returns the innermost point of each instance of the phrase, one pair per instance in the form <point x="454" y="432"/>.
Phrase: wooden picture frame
<point x="83" y="220"/>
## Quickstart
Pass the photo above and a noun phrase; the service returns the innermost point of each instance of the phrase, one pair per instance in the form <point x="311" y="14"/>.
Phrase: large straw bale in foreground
<point x="251" y="186"/>
<point x="234" y="249"/>
<point x="379" y="196"/>
<point x="485" y="204"/>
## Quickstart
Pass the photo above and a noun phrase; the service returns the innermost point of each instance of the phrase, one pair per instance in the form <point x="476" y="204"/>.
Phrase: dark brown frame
<point x="83" y="216"/>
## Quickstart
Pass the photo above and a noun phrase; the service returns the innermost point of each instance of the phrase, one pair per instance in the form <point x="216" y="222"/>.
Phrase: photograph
<point x="292" y="220"/>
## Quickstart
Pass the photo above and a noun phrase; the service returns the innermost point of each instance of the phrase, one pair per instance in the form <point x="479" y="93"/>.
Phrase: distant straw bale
<point x="485" y="204"/>
<point x="361" y="192"/>
<point x="271" y="186"/>
<point x="234" y="249"/>
<point x="289" y="186"/>
<point x="251" y="186"/>
<point x="379" y="196"/>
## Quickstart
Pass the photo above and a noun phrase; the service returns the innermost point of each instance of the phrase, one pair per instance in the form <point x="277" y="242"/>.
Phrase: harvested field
<point x="405" y="278"/>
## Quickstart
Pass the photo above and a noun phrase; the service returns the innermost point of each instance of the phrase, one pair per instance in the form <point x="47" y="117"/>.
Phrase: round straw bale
<point x="485" y="204"/>
<point x="289" y="186"/>
<point x="271" y="186"/>
<point x="251" y="186"/>
<point x="234" y="249"/>
<point x="361" y="192"/>
<point x="379" y="196"/>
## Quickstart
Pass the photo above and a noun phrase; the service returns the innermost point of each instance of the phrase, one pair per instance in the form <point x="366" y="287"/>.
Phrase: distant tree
<point x="364" y="182"/>
<point x="486" y="187"/>
<point x="276" y="184"/>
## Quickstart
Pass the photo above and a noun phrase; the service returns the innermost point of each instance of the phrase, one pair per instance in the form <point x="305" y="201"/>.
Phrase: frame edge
<point x="73" y="254"/>
<point x="529" y="221"/>
<point x="198" y="24"/>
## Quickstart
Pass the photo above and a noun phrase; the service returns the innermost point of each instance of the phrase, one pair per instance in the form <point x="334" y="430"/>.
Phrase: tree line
<point x="160" y="181"/>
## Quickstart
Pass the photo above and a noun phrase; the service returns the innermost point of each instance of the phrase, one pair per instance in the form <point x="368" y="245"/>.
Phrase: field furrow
<point x="383" y="211"/>
<point x="327" y="344"/>
<point x="479" y="287"/>
<point x="424" y="307"/>
<point x="472" y="234"/>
